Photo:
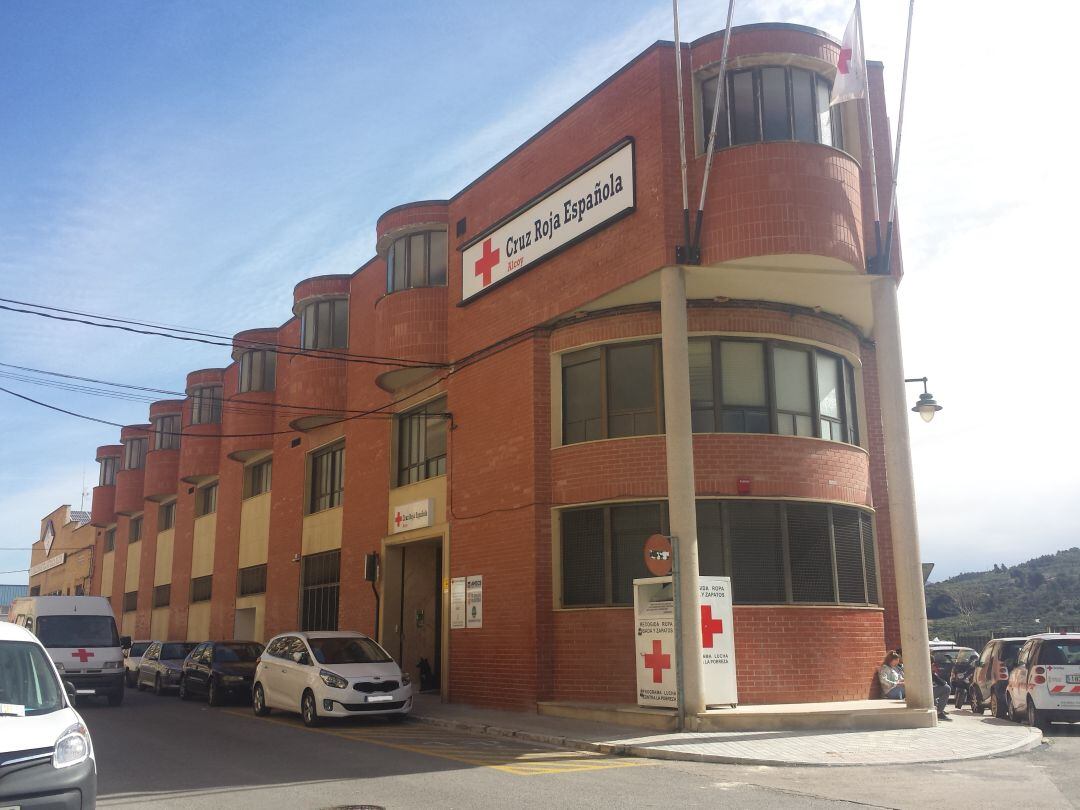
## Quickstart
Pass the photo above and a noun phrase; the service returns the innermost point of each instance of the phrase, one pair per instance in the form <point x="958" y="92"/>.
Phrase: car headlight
<point x="405" y="679"/>
<point x="112" y="665"/>
<point x="332" y="679"/>
<point x="72" y="748"/>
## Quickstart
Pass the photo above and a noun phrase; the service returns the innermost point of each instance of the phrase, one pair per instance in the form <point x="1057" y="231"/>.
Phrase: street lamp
<point x="926" y="406"/>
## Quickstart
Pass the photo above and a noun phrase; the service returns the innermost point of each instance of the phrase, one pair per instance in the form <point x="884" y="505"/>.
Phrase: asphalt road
<point x="165" y="753"/>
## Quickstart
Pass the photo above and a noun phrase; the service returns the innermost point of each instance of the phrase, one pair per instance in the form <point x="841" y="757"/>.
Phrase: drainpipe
<point x="682" y="513"/>
<point x="907" y="561"/>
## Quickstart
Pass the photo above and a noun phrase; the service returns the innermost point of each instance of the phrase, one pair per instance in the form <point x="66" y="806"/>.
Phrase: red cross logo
<point x="486" y="263"/>
<point x="657" y="661"/>
<point x="397" y="518"/>
<point x="82" y="655"/>
<point x="843" y="66"/>
<point x="709" y="626"/>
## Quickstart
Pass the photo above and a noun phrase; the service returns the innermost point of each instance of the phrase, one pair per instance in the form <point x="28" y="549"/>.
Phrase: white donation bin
<point x="654" y="618"/>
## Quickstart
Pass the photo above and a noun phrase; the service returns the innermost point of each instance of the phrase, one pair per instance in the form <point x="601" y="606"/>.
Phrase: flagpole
<point x="869" y="132"/>
<point x="721" y="79"/>
<point x="682" y="129"/>
<point x="896" y="151"/>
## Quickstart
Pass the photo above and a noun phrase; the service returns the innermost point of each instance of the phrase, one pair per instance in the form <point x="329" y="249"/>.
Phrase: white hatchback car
<point x="323" y="673"/>
<point x="46" y="757"/>
<point x="1044" y="686"/>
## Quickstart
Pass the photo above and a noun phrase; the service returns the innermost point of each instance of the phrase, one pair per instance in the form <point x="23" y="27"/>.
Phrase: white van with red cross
<point x="79" y="633"/>
<point x="1044" y="686"/>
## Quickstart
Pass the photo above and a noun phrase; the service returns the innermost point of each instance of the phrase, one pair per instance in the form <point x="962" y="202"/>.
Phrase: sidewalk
<point x="966" y="737"/>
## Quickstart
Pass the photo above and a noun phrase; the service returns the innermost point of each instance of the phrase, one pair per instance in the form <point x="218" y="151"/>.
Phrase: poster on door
<point x="457" y="603"/>
<point x="474" y="601"/>
<point x="654" y="614"/>
<point x="717" y="642"/>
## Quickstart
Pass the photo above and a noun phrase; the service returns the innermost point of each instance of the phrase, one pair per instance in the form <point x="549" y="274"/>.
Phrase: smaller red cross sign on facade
<point x="709" y="626"/>
<point x="657" y="661"/>
<point x="82" y="655"/>
<point x="486" y="263"/>
<point x="397" y="518"/>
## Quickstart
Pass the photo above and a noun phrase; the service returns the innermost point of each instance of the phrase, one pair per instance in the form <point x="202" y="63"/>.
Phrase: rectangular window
<point x="422" y="443"/>
<point x="602" y="551"/>
<point x="437" y="258"/>
<point x="826" y="133"/>
<point x="110" y="539"/>
<point x="708" y="102"/>
<point x="131" y="601"/>
<point x="135" y="529"/>
<point x="107" y="472"/>
<point x="251" y="580"/>
<point x="791" y="379"/>
<point x="202" y="588"/>
<point x="206" y="500"/>
<point x="134" y="454"/>
<point x="206" y="405"/>
<point x="325" y="324"/>
<point x="745" y="126"/>
<point x="319" y="582"/>
<point x="757" y="552"/>
<point x="166" y="516"/>
<point x="327" y="478"/>
<point x="167" y="432"/>
<point x="258" y="370"/>
<point x="417" y="260"/>
<point x="802" y="105"/>
<point x="257" y="478"/>
<point x="775" y="120"/>
<point x="612" y="391"/>
<point x="161" y="595"/>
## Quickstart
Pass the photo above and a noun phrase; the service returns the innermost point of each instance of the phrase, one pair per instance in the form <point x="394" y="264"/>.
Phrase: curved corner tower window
<point x="417" y="260"/>
<point x="167" y="432"/>
<point x="206" y="405"/>
<point x="771" y="104"/>
<point x="107" y="473"/>
<point x="325" y="324"/>
<point x="134" y="453"/>
<point x="258" y="370"/>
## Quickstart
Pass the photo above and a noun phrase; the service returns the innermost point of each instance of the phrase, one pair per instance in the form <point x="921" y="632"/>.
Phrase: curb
<point x="1033" y="740"/>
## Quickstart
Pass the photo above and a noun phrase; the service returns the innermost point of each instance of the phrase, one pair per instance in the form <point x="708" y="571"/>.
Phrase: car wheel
<point x="213" y="693"/>
<point x="117" y="697"/>
<point x="977" y="706"/>
<point x="308" y="711"/>
<point x="159" y="689"/>
<point x="258" y="701"/>
<point x="1035" y="718"/>
<point x="129" y="678"/>
<point x="1011" y="710"/>
<point x="997" y="708"/>
<point x="182" y="690"/>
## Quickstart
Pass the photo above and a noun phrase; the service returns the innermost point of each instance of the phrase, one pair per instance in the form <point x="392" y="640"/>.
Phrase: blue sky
<point x="188" y="163"/>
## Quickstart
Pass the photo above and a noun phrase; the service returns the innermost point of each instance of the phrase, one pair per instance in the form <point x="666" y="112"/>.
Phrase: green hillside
<point x="1008" y="599"/>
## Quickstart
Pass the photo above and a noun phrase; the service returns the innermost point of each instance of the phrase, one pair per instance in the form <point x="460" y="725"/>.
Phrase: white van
<point x="46" y="756"/>
<point x="80" y="634"/>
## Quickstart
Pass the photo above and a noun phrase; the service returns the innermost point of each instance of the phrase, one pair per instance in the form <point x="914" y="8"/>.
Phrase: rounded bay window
<point x="417" y="260"/>
<point x="258" y="370"/>
<point x="324" y="324"/>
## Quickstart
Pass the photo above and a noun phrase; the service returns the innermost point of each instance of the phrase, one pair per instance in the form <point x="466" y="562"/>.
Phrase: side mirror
<point x="125" y="642"/>
<point x="69" y="688"/>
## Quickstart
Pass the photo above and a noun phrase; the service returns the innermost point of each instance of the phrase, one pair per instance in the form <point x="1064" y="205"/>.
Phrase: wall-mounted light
<point x="926" y="406"/>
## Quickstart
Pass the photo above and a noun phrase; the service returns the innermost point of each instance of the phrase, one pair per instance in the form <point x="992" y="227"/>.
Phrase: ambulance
<point x="80" y="635"/>
<point x="1044" y="686"/>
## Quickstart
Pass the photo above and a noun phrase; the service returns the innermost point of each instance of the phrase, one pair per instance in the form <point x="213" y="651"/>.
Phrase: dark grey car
<point x="161" y="664"/>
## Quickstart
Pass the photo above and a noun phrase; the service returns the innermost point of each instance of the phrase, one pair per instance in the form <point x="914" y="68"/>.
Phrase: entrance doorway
<point x="412" y="624"/>
<point x="244" y="623"/>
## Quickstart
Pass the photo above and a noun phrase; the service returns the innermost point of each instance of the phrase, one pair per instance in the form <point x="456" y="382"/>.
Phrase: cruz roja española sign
<point x="589" y="199"/>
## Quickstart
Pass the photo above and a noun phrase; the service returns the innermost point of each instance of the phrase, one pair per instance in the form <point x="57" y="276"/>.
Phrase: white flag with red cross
<point x="850" y="79"/>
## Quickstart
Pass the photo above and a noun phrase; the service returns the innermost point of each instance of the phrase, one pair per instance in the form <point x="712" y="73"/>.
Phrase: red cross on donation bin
<point x="657" y="661"/>
<point x="709" y="627"/>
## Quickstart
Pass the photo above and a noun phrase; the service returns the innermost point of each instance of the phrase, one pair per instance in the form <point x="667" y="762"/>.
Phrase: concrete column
<point x="907" y="561"/>
<point x="682" y="513"/>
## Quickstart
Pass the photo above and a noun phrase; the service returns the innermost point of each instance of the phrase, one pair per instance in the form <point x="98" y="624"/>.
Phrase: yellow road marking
<point x="513" y="757"/>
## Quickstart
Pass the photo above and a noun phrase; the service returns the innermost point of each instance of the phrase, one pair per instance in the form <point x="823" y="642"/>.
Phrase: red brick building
<point x="484" y="398"/>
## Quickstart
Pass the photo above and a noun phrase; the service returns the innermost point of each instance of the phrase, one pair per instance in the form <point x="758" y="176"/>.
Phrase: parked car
<point x="992" y="674"/>
<point x="80" y="634"/>
<point x="40" y="730"/>
<point x="329" y="674"/>
<point x="132" y="658"/>
<point x="160" y="667"/>
<point x="220" y="670"/>
<point x="1044" y="686"/>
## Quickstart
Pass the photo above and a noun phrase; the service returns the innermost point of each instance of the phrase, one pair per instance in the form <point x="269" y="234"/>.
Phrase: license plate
<point x="77" y="692"/>
<point x="10" y="807"/>
<point x="1068" y="679"/>
<point x="371" y="699"/>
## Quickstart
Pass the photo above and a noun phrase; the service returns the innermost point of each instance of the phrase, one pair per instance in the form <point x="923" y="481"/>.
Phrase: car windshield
<point x="77" y="631"/>
<point x="347" y="650"/>
<point x="28" y="685"/>
<point x="170" y="652"/>
<point x="945" y="657"/>
<point x="138" y="648"/>
<point x="236" y="653"/>
<point x="1062" y="653"/>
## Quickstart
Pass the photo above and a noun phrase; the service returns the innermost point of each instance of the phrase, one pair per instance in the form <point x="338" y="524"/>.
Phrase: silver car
<point x="161" y="665"/>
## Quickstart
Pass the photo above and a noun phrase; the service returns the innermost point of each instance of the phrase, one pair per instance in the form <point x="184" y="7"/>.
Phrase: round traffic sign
<point x="658" y="555"/>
